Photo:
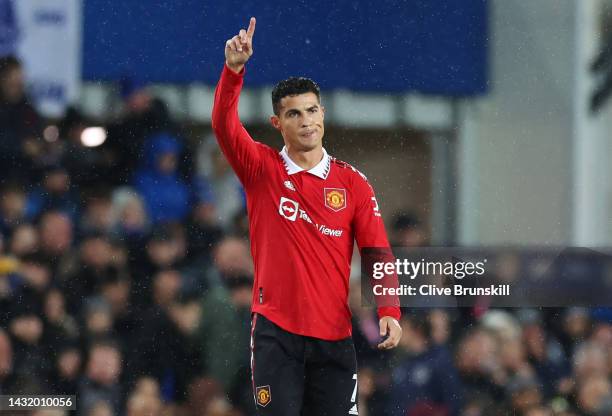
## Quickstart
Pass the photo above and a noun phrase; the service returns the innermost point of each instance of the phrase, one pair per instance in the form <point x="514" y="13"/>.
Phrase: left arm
<point x="370" y="234"/>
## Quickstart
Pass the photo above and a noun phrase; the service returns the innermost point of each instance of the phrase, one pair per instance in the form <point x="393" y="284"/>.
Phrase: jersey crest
<point x="263" y="395"/>
<point x="335" y="198"/>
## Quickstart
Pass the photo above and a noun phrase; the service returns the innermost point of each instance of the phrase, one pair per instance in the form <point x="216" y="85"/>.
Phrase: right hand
<point x="239" y="49"/>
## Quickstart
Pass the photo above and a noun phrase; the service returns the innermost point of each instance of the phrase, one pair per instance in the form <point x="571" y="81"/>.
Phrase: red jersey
<point x="302" y="226"/>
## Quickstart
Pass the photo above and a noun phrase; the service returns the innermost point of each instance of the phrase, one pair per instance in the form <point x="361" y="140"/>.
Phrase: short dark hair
<point x="293" y="86"/>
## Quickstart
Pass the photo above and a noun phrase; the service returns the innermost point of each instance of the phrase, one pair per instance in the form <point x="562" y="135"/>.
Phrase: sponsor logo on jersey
<point x="291" y="210"/>
<point x="305" y="216"/>
<point x="263" y="395"/>
<point x="335" y="198"/>
<point x="289" y="185"/>
<point x="329" y="231"/>
<point x="288" y="208"/>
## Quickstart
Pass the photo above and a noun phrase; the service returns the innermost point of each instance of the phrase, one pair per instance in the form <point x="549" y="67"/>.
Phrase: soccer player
<point x="305" y="210"/>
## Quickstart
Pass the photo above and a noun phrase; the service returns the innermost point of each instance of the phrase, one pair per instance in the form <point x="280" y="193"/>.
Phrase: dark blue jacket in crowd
<point x="166" y="195"/>
<point x="429" y="378"/>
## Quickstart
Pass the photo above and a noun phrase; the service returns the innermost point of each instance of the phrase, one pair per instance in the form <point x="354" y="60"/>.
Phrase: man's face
<point x="56" y="233"/>
<point x="104" y="365"/>
<point x="300" y="122"/>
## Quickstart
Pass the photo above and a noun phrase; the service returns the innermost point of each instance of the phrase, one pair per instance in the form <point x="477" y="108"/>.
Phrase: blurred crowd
<point x="125" y="279"/>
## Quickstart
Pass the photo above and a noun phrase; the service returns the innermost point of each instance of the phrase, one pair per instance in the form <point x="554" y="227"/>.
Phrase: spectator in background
<point x="477" y="360"/>
<point x="143" y="116"/>
<point x="185" y="314"/>
<point x="512" y="354"/>
<point x="425" y="377"/>
<point x="545" y="353"/>
<point x="576" y="328"/>
<point x="224" y="189"/>
<point x="24" y="240"/>
<point x="150" y="320"/>
<point x="167" y="196"/>
<point x="523" y="393"/>
<point x="165" y="249"/>
<point x="407" y="231"/>
<point x="231" y="258"/>
<point x="145" y="400"/>
<point x="60" y="327"/>
<point x="140" y="405"/>
<point x="31" y="361"/>
<point x="101" y="379"/>
<point x="6" y="362"/>
<point x="590" y="360"/>
<point x="13" y="207"/>
<point x="115" y="290"/>
<point x="226" y="311"/>
<point x="130" y="220"/>
<point x="64" y="376"/>
<point x="168" y="347"/>
<point x="593" y="396"/>
<point x="35" y="279"/>
<point x="203" y="228"/>
<point x="98" y="321"/>
<point x="166" y="287"/>
<point x="94" y="261"/>
<point x="55" y="192"/>
<point x="20" y="124"/>
<point x="601" y="334"/>
<point x="513" y="357"/>
<point x="98" y="212"/>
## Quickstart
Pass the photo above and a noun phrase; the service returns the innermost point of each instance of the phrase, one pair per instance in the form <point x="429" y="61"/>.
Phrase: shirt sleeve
<point x="243" y="153"/>
<point x="373" y="243"/>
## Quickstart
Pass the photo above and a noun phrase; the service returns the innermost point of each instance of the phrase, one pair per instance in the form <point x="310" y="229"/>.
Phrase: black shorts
<point x="295" y="375"/>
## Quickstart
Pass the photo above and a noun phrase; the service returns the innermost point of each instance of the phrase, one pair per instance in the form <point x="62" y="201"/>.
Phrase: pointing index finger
<point x="251" y="29"/>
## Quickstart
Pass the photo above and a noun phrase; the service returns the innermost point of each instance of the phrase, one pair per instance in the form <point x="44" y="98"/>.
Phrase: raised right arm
<point x="242" y="152"/>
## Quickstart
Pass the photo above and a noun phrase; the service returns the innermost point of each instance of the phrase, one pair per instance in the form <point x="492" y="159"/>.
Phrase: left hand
<point x="389" y="326"/>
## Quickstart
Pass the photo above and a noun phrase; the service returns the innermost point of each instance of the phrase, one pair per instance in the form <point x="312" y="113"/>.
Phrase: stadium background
<point x="479" y="123"/>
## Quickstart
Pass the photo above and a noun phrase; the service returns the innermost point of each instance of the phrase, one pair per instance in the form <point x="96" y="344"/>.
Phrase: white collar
<point x="321" y="169"/>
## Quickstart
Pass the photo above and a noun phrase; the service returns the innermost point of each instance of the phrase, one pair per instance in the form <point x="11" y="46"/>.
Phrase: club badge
<point x="335" y="198"/>
<point x="264" y="396"/>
